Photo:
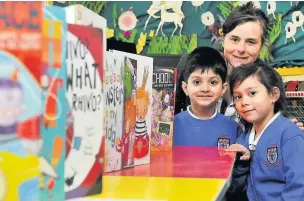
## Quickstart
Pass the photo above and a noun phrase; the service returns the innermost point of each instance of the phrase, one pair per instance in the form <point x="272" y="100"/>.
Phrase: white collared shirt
<point x="196" y="117"/>
<point x="253" y="142"/>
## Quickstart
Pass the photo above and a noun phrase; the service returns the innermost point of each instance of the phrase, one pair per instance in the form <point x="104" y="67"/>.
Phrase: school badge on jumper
<point x="272" y="155"/>
<point x="223" y="142"/>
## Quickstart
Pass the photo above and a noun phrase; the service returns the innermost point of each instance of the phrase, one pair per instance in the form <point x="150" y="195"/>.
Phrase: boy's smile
<point x="204" y="89"/>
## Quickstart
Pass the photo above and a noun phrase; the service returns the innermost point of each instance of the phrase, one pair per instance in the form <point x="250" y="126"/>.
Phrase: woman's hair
<point x="268" y="76"/>
<point x="247" y="13"/>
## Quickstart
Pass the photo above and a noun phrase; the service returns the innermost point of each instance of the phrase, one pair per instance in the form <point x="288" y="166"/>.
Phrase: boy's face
<point x="204" y="89"/>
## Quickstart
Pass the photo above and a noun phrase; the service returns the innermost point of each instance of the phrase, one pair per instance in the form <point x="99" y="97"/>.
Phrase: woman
<point x="245" y="32"/>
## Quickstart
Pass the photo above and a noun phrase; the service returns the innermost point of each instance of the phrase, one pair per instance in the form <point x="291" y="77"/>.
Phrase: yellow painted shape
<point x="290" y="71"/>
<point x="17" y="170"/>
<point x="287" y="78"/>
<point x="57" y="29"/>
<point x="49" y="3"/>
<point x="46" y="27"/>
<point x="161" y="188"/>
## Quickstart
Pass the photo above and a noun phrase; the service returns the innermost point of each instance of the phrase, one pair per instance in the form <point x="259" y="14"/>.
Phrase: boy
<point x="204" y="81"/>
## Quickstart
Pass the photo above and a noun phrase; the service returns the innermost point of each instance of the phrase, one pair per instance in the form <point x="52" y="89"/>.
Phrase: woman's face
<point x="243" y="44"/>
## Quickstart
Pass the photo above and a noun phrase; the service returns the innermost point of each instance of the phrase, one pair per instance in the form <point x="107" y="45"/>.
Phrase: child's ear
<point x="185" y="86"/>
<point x="275" y="95"/>
<point x="225" y="87"/>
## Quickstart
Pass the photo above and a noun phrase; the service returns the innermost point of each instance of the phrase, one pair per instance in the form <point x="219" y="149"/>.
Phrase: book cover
<point x="126" y="143"/>
<point x="141" y="148"/>
<point x="85" y="147"/>
<point x="114" y="111"/>
<point x="54" y="105"/>
<point x="81" y="15"/>
<point x="20" y="108"/>
<point x="164" y="79"/>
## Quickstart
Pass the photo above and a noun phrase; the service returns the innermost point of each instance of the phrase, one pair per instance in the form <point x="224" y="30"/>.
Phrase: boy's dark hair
<point x="247" y="13"/>
<point x="268" y="76"/>
<point x="205" y="58"/>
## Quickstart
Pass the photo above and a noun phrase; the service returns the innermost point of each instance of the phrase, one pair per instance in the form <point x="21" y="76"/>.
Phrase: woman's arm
<point x="293" y="167"/>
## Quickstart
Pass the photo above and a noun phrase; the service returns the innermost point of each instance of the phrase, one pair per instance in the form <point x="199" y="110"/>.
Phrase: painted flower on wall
<point x="127" y="21"/>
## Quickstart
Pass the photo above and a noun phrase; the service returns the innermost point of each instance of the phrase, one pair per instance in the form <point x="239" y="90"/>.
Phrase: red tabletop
<point x="184" y="161"/>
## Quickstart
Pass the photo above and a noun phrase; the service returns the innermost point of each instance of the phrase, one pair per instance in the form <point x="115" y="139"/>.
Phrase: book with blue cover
<point x="54" y="104"/>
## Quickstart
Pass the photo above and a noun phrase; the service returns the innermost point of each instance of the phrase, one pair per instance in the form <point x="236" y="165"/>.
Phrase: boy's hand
<point x="245" y="153"/>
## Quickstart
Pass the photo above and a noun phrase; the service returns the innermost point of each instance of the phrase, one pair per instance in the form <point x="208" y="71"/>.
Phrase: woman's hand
<point x="299" y="124"/>
<point x="241" y="149"/>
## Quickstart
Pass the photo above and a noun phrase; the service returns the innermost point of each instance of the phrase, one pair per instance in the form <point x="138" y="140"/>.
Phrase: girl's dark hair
<point x="268" y="76"/>
<point x="247" y="13"/>
<point x="181" y="101"/>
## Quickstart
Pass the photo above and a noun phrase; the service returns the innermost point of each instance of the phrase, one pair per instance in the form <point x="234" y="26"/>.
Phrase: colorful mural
<point x="177" y="27"/>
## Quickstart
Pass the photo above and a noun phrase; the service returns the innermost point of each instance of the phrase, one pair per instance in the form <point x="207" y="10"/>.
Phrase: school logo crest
<point x="223" y="142"/>
<point x="272" y="155"/>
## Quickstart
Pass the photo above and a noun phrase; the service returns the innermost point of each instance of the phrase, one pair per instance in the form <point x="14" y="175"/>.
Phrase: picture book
<point x="85" y="139"/>
<point x="114" y="111"/>
<point x="164" y="79"/>
<point x="81" y="15"/>
<point x="20" y="92"/>
<point x="127" y="141"/>
<point x="141" y="148"/>
<point x="54" y="105"/>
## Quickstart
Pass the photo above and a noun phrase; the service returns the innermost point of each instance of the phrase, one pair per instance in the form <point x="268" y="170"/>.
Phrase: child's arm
<point x="238" y="187"/>
<point x="293" y="167"/>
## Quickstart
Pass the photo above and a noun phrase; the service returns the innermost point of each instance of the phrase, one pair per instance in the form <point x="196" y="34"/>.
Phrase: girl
<point x="272" y="147"/>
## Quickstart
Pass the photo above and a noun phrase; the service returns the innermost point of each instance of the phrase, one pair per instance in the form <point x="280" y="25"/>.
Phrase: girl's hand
<point x="240" y="148"/>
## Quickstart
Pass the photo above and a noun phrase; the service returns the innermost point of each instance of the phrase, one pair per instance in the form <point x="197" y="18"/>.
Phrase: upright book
<point x="81" y="15"/>
<point x="141" y="148"/>
<point x="127" y="141"/>
<point x="164" y="81"/>
<point x="85" y="147"/>
<point x="20" y="92"/>
<point x="114" y="109"/>
<point x="54" y="105"/>
<point x="120" y="115"/>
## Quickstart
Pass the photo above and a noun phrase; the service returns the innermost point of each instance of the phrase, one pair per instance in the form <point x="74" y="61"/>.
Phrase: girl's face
<point x="253" y="102"/>
<point x="243" y="44"/>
